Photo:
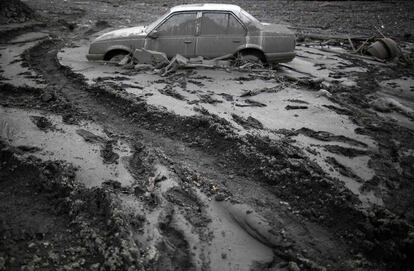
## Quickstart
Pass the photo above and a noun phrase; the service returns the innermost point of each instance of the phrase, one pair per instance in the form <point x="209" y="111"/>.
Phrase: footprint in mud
<point x="174" y="251"/>
<point x="188" y="199"/>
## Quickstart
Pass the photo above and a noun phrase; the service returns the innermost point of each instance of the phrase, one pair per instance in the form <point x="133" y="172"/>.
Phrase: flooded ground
<point x="306" y="165"/>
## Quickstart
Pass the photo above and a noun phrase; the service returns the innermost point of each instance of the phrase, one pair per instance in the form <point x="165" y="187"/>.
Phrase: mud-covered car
<point x="208" y="30"/>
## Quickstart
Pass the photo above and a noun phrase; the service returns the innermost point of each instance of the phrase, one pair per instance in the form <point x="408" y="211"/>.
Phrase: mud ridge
<point x="93" y="214"/>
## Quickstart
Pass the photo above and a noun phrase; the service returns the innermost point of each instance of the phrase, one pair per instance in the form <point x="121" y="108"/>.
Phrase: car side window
<point x="214" y="24"/>
<point x="220" y="24"/>
<point x="179" y="25"/>
<point x="235" y="27"/>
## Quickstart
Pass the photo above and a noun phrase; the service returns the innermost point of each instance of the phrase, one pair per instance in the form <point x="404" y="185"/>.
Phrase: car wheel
<point x="250" y="58"/>
<point x="117" y="58"/>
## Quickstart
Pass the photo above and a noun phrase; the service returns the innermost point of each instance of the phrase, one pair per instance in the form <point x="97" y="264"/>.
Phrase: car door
<point x="176" y="35"/>
<point x="220" y="34"/>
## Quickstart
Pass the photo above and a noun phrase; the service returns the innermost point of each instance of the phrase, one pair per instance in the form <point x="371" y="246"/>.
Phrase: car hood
<point x="123" y="33"/>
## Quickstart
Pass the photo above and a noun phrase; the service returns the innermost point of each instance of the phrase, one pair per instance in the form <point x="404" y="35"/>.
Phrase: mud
<point x="203" y="169"/>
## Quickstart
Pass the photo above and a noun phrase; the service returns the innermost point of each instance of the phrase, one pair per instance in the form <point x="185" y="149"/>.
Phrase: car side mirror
<point x="153" y="34"/>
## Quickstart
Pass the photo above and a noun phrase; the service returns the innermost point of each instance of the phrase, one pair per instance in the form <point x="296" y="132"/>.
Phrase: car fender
<point x="249" y="46"/>
<point x="119" y="47"/>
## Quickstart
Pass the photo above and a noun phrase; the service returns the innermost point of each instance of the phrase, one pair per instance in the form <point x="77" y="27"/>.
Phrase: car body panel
<point x="276" y="42"/>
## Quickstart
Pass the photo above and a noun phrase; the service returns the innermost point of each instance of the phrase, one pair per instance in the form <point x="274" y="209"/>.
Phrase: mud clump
<point x="108" y="155"/>
<point x="248" y="123"/>
<point x="42" y="123"/>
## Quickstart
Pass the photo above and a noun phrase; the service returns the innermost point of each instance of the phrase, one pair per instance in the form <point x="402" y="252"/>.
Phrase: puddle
<point x="11" y="65"/>
<point x="64" y="143"/>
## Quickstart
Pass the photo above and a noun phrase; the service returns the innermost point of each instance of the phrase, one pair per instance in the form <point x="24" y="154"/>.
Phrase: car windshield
<point x="151" y="26"/>
<point x="250" y="17"/>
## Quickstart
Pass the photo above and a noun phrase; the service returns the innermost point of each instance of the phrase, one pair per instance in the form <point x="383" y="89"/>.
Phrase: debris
<point x="323" y="92"/>
<point x="326" y="136"/>
<point x="168" y="90"/>
<point x="251" y="103"/>
<point x="143" y="67"/>
<point x="294" y="107"/>
<point x="263" y="90"/>
<point x="124" y="60"/>
<point x="157" y="59"/>
<point x="89" y="137"/>
<point x="206" y="98"/>
<point x="297" y="101"/>
<point x="248" y="123"/>
<point x="385" y="48"/>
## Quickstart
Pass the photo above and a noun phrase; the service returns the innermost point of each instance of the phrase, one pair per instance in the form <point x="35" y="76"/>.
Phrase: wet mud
<point x="203" y="169"/>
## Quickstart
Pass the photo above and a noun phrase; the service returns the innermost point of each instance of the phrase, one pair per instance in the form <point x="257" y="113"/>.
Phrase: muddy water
<point x="62" y="142"/>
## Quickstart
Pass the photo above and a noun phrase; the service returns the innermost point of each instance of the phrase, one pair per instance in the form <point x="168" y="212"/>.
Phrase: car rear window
<point x="220" y="24"/>
<point x="179" y="25"/>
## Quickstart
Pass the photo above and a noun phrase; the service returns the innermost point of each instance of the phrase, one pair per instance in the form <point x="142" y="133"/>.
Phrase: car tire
<point x="117" y="57"/>
<point x="251" y="57"/>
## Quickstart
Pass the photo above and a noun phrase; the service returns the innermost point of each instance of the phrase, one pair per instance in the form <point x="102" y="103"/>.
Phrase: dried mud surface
<point x="199" y="191"/>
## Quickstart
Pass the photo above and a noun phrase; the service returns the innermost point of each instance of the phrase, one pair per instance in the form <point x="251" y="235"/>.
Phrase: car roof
<point x="191" y="7"/>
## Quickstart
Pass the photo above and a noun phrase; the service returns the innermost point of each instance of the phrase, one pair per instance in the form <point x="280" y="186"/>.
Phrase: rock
<point x="220" y="197"/>
<point x="47" y="97"/>
<point x="292" y="266"/>
<point x="41" y="122"/>
<point x="94" y="267"/>
<point x="323" y="92"/>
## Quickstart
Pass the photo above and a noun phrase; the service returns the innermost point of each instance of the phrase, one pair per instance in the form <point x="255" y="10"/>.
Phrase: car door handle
<point x="236" y="41"/>
<point x="188" y="41"/>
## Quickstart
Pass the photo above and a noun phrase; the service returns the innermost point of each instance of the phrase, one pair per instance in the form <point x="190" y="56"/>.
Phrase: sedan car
<point x="207" y="30"/>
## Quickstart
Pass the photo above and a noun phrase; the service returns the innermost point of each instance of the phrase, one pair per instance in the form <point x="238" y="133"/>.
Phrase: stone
<point x="46" y="97"/>
<point x="292" y="266"/>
